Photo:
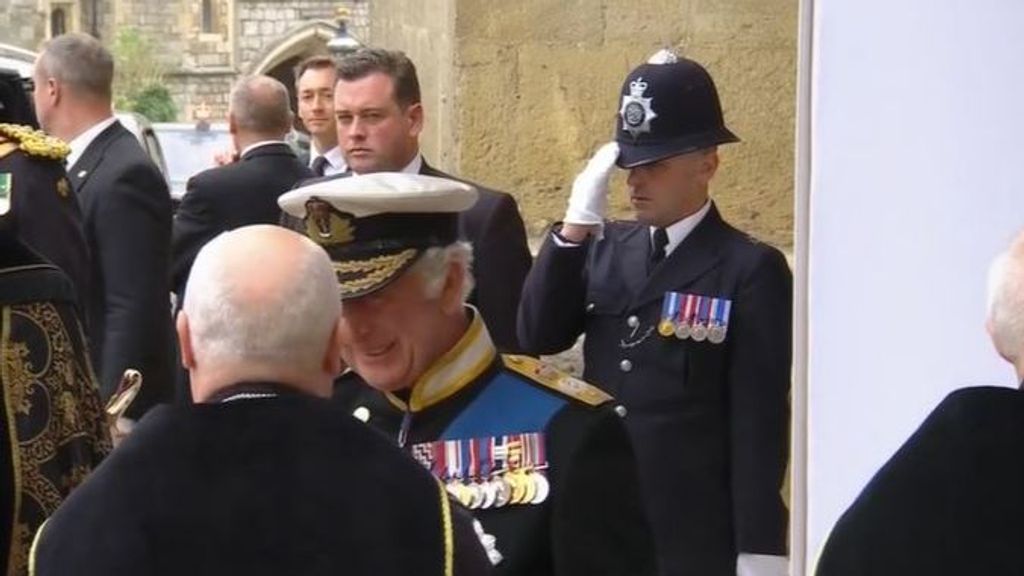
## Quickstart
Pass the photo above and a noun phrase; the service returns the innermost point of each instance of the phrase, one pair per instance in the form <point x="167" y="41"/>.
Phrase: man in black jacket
<point x="950" y="500"/>
<point x="687" y="323"/>
<point x="126" y="210"/>
<point x="263" y="476"/>
<point x="243" y="192"/>
<point x="380" y="116"/>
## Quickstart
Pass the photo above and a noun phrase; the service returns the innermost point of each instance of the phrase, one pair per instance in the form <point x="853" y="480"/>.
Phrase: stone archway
<point x="307" y="39"/>
<point x="279" y="59"/>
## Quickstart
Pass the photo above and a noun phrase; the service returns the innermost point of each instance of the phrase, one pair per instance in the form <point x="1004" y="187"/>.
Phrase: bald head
<point x="1006" y="304"/>
<point x="262" y="305"/>
<point x="260" y="108"/>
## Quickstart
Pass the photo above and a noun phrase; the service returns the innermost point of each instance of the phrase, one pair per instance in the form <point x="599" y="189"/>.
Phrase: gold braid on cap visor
<point x="372" y="271"/>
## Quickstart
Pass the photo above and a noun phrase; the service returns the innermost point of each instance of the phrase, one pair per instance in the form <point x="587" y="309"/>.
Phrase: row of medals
<point x="696" y="330"/>
<point x="519" y="486"/>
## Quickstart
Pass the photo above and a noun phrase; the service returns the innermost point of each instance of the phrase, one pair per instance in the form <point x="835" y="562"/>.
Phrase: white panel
<point x="916" y="181"/>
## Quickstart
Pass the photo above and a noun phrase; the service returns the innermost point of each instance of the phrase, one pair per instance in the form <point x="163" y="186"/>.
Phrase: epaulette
<point x="34" y="142"/>
<point x="555" y="379"/>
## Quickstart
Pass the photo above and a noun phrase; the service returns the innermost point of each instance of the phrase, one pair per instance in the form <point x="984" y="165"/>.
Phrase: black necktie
<point x="319" y="165"/>
<point x="660" y="241"/>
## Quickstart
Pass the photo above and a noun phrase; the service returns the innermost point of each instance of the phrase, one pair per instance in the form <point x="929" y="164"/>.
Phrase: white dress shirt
<point x="335" y="161"/>
<point x="79" y="143"/>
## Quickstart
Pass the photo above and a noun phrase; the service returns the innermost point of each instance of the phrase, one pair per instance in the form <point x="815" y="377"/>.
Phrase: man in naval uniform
<point x="687" y="324"/>
<point x="263" y="475"/>
<point x="540" y="458"/>
<point x="950" y="500"/>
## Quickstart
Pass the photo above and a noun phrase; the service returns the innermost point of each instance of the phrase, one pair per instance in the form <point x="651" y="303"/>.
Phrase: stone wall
<point x="427" y="34"/>
<point x="22" y="24"/>
<point x="264" y="22"/>
<point x="533" y="87"/>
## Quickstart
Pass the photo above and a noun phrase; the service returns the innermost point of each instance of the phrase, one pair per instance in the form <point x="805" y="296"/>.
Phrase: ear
<point x="185" y="341"/>
<point x="709" y="164"/>
<point x="451" y="293"/>
<point x="232" y="124"/>
<point x="414" y="113"/>
<point x="53" y="91"/>
<point x="332" y="362"/>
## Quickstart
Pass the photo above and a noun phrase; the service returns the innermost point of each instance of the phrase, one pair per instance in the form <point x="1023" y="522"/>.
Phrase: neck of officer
<point x="244" y="139"/>
<point x="79" y="117"/>
<point x="219" y="376"/>
<point x="448" y="333"/>
<point x="323" y="143"/>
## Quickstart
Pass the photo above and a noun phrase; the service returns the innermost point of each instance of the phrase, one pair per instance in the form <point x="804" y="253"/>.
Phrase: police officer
<point x="40" y="208"/>
<point x="687" y="324"/>
<point x="541" y="459"/>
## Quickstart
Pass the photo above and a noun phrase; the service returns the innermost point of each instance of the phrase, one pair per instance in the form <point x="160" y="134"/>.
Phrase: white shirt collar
<point x="79" y="143"/>
<point x="256" y="145"/>
<point x="680" y="229"/>
<point x="335" y="160"/>
<point x="415" y="166"/>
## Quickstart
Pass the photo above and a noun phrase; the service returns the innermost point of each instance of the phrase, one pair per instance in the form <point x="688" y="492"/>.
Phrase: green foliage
<point x="154" y="102"/>
<point x="138" y="78"/>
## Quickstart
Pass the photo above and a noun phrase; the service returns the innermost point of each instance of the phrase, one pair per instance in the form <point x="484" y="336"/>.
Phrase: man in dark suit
<point x="263" y="476"/>
<point x="950" y="500"/>
<point x="380" y="116"/>
<point x="314" y="94"/>
<point x="126" y="210"/>
<point x="244" y="192"/>
<point x="542" y="459"/>
<point x="687" y="324"/>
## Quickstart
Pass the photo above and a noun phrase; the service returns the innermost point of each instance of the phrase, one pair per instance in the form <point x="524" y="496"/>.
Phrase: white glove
<point x="588" y="202"/>
<point x="761" y="565"/>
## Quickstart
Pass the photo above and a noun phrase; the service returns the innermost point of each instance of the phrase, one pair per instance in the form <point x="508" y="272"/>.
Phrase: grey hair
<point x="80" y="61"/>
<point x="1006" y="302"/>
<point x="432" y="266"/>
<point x="292" y="326"/>
<point x="260" y="104"/>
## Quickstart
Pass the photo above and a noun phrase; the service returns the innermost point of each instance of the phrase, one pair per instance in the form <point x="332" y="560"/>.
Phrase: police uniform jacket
<point x="52" y="428"/>
<point x="258" y="484"/>
<point x="44" y="213"/>
<point x="126" y="211"/>
<point x="709" y="422"/>
<point x="948" y="502"/>
<point x="592" y="521"/>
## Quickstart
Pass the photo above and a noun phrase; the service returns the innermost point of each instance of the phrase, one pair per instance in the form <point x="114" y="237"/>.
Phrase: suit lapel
<point x="697" y="254"/>
<point x="92" y="156"/>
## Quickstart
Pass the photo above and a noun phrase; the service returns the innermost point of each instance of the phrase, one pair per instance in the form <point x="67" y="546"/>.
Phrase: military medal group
<point x="696" y="317"/>
<point x="494" y="472"/>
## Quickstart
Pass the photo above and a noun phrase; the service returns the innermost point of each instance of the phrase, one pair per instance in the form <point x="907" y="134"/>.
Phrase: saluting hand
<point x="588" y="202"/>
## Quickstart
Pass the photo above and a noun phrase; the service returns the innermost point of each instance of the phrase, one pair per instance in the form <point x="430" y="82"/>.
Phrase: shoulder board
<point x="35" y="142"/>
<point x="553" y="378"/>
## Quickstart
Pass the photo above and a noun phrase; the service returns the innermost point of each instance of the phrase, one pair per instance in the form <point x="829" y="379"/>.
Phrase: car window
<point x="189" y="151"/>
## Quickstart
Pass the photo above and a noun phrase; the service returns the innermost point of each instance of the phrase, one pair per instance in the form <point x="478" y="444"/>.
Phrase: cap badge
<point x="325" y="226"/>
<point x="636" y="110"/>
